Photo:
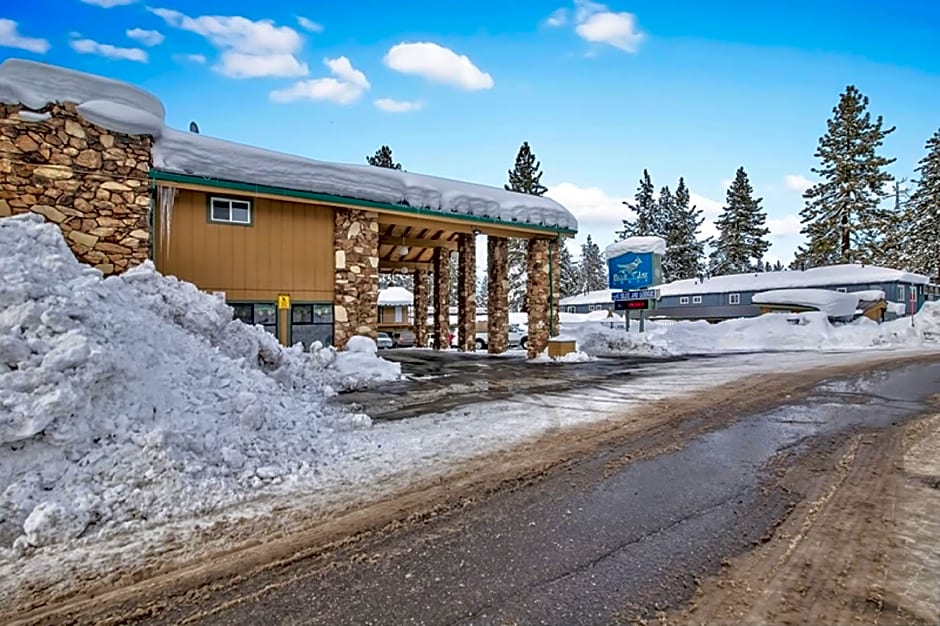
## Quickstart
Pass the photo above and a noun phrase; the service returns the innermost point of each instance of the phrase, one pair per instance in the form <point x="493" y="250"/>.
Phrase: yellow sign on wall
<point x="283" y="301"/>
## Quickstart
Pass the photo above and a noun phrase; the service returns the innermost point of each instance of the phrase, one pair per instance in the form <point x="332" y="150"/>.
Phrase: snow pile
<point x="638" y="245"/>
<point x="137" y="398"/>
<point x="766" y="333"/>
<point x="395" y="296"/>
<point x="832" y="303"/>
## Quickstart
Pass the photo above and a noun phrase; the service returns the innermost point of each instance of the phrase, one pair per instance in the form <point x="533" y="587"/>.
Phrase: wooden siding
<point x="288" y="249"/>
<point x="387" y="315"/>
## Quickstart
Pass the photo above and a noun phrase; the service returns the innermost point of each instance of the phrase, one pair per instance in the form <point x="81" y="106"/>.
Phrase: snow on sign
<point x="635" y="262"/>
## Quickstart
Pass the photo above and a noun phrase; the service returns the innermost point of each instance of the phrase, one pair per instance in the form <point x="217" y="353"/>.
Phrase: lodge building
<point x="293" y="244"/>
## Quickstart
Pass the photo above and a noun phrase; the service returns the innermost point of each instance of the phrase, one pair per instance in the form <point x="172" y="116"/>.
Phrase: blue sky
<point x="693" y="89"/>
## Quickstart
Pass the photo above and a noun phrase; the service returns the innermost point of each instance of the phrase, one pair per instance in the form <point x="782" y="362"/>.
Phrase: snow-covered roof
<point x="395" y="296"/>
<point x="591" y="297"/>
<point x="125" y="108"/>
<point x="832" y="303"/>
<point x="640" y="245"/>
<point x="828" y="276"/>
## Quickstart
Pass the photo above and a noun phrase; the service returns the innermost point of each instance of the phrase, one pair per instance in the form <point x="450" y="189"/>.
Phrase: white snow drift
<point x="138" y="397"/>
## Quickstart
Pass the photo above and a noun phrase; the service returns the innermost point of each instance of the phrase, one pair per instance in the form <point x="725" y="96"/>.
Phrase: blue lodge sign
<point x="632" y="270"/>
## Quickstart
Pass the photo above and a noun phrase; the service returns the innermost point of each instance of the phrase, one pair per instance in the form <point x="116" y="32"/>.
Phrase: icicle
<point x="166" y="198"/>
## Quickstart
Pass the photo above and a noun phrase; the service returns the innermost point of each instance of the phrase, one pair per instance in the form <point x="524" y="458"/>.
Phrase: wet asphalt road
<point x="435" y="382"/>
<point x="588" y="545"/>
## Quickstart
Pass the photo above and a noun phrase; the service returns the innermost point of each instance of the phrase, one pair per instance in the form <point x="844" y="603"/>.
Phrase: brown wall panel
<point x="287" y="249"/>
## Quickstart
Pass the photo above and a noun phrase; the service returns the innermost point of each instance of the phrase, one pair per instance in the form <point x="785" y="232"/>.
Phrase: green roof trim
<point x="157" y="175"/>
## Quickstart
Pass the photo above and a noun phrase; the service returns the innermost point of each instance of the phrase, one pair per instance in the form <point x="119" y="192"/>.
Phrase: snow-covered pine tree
<point x="646" y="210"/>
<point x="383" y="158"/>
<point x="593" y="267"/>
<point x="569" y="280"/>
<point x="397" y="280"/>
<point x="483" y="291"/>
<point x="742" y="236"/>
<point x="842" y="219"/>
<point x="524" y="177"/>
<point x="896" y="228"/>
<point x="923" y="241"/>
<point x="682" y="221"/>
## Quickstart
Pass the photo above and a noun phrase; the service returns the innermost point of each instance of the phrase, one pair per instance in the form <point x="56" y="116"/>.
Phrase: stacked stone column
<point x="356" y="251"/>
<point x="89" y="181"/>
<point x="441" y="298"/>
<point x="537" y="264"/>
<point x="554" y="247"/>
<point x="497" y="303"/>
<point x="466" y="292"/>
<point x="421" y="307"/>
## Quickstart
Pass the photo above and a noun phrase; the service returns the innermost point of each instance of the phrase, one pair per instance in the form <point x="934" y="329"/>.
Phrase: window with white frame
<point x="590" y="307"/>
<point x="734" y="298"/>
<point x="571" y="309"/>
<point x="683" y="299"/>
<point x="696" y="299"/>
<point x="229" y="210"/>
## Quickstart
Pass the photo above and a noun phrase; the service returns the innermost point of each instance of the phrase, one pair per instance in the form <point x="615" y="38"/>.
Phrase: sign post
<point x="633" y="266"/>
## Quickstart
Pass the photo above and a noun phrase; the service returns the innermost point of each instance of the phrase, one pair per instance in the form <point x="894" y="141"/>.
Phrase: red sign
<point x="638" y="304"/>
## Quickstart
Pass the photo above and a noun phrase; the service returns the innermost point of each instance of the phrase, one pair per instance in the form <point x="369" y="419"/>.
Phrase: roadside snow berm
<point x="138" y="399"/>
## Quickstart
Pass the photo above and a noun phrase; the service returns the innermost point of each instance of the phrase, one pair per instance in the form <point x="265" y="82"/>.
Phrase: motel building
<point x="293" y="244"/>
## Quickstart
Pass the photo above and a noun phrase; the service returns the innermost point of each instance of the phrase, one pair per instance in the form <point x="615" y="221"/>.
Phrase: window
<point x="312" y="322"/>
<point x="696" y="299"/>
<point x="571" y="309"/>
<point x="229" y="210"/>
<point x="683" y="299"/>
<point x="590" y="308"/>
<point x="399" y="318"/>
<point x="734" y="298"/>
<point x="842" y="289"/>
<point x="261" y="313"/>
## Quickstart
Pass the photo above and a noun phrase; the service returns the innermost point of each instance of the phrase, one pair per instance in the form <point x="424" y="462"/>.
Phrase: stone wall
<point x="537" y="295"/>
<point x="421" y="300"/>
<point x="555" y="294"/>
<point x="89" y="181"/>
<point x="441" y="298"/>
<point x="466" y="292"/>
<point x="497" y="300"/>
<point x="356" y="295"/>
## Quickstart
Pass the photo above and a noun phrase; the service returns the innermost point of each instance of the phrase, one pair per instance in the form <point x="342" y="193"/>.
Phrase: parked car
<point x="383" y="341"/>
<point x="517" y="337"/>
<point x="403" y="339"/>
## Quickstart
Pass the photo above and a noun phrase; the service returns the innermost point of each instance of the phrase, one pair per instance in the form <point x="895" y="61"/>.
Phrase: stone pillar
<point x="537" y="295"/>
<point x="89" y="181"/>
<point x="356" y="294"/>
<point x="421" y="308"/>
<point x="554" y="249"/>
<point x="497" y="303"/>
<point x="441" y="298"/>
<point x="466" y="292"/>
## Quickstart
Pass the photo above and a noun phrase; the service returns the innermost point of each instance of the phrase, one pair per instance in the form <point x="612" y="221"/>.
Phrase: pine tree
<point x="483" y="291"/>
<point x="383" y="158"/>
<point x="645" y="208"/>
<point x="924" y="211"/>
<point x="742" y="236"/>
<point x="896" y="228"/>
<point x="778" y="266"/>
<point x="682" y="222"/>
<point x="525" y="177"/>
<point x="569" y="281"/>
<point x="593" y="267"/>
<point x="397" y="280"/>
<point x="842" y="219"/>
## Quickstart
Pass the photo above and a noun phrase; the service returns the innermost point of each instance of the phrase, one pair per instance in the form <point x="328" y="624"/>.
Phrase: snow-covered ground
<point x="135" y="413"/>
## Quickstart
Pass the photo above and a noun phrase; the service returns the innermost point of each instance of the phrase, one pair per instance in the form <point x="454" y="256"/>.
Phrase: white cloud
<point x="390" y="105"/>
<point x="559" y="17"/>
<point x="347" y="86"/>
<point x="146" y="37"/>
<point x="250" y="48"/>
<point x="439" y="64"/>
<point x="596" y="23"/>
<point x="11" y="38"/>
<point x="615" y="29"/>
<point x="241" y="65"/>
<point x="90" y="46"/>
<point x="109" y="4"/>
<point x="787" y="225"/>
<point x="190" y="58"/>
<point x="308" y="24"/>
<point x="797" y="182"/>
